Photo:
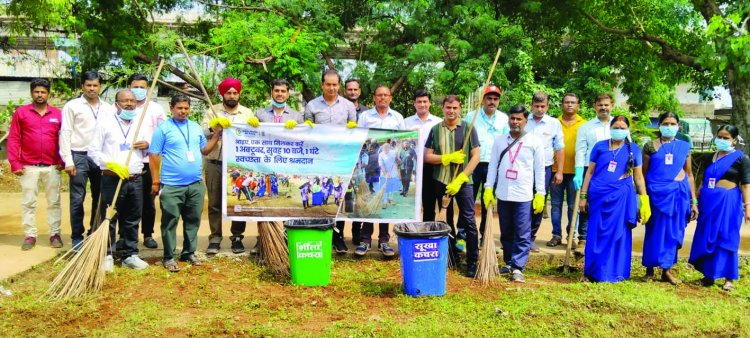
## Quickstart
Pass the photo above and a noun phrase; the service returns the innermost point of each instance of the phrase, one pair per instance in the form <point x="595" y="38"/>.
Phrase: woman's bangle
<point x="694" y="202"/>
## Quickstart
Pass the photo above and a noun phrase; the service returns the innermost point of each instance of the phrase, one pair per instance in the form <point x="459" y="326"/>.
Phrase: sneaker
<point x="213" y="248"/>
<point x="534" y="247"/>
<point x="256" y="248"/>
<point x="581" y="248"/>
<point x="573" y="245"/>
<point x="237" y="246"/>
<point x="471" y="269"/>
<point x="55" y="241"/>
<point x="386" y="250"/>
<point x="505" y="270"/>
<point x="76" y="244"/>
<point x="460" y="245"/>
<point x="340" y="246"/>
<point x="362" y="249"/>
<point x="150" y="243"/>
<point x="109" y="264"/>
<point x="135" y="262"/>
<point x="28" y="243"/>
<point x="517" y="276"/>
<point x="555" y="241"/>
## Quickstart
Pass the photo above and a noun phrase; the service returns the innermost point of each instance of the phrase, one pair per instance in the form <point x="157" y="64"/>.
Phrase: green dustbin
<point x="309" y="243"/>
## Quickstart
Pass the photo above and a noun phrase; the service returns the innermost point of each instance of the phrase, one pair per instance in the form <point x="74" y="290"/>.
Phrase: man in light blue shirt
<point x="383" y="117"/>
<point x="424" y="121"/>
<point x="549" y="131"/>
<point x="589" y="134"/>
<point x="490" y="124"/>
<point x="176" y="163"/>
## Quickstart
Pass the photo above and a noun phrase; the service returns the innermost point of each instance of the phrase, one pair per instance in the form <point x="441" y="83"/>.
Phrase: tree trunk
<point x="740" y="91"/>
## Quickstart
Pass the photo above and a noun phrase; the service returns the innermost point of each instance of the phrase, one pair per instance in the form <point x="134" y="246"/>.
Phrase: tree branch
<point x="668" y="52"/>
<point x="241" y="8"/>
<point x="328" y="59"/>
<point x="175" y="88"/>
<point x="172" y="69"/>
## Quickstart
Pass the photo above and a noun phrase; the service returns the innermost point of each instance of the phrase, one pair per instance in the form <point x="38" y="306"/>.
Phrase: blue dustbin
<point x="423" y="247"/>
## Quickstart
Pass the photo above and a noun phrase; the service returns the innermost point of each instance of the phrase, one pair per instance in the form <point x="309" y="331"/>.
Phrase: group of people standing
<point x="509" y="160"/>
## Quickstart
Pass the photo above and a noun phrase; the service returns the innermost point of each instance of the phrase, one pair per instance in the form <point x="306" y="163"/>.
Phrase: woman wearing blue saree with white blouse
<point x="724" y="202"/>
<point x="671" y="188"/>
<point x="608" y="195"/>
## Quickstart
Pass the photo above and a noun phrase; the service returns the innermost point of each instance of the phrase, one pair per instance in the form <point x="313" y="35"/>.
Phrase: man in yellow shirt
<point x="570" y="121"/>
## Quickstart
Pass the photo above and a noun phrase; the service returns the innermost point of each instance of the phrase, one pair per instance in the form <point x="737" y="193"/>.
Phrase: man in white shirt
<point x="138" y="84"/>
<point x="79" y="120"/>
<point x="549" y="131"/>
<point x="517" y="165"/>
<point x="382" y="116"/>
<point x="593" y="131"/>
<point x="424" y="121"/>
<point x="490" y="123"/>
<point x="112" y="140"/>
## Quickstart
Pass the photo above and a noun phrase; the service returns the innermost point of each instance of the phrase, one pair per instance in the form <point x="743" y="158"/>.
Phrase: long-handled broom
<point x="84" y="273"/>
<point x="446" y="199"/>
<point x="566" y="264"/>
<point x="274" y="252"/>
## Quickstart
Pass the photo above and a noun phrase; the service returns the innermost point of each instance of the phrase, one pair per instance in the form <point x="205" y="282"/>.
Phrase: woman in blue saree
<point x="609" y="198"/>
<point x="671" y="190"/>
<point x="724" y="201"/>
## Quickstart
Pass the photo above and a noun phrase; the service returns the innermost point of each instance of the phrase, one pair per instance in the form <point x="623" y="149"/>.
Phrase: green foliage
<point x="6" y="114"/>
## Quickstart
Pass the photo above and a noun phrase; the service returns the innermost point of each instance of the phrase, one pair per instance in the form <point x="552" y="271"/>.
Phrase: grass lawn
<point x="232" y="296"/>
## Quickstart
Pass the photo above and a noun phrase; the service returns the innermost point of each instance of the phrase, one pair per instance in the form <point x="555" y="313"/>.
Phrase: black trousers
<point x="129" y="207"/>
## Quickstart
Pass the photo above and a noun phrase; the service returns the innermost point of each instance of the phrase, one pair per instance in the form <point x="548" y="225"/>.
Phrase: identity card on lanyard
<point x="512" y="174"/>
<point x="188" y="153"/>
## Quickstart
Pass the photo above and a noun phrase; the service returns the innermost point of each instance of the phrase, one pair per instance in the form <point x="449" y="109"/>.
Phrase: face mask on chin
<point x="277" y="104"/>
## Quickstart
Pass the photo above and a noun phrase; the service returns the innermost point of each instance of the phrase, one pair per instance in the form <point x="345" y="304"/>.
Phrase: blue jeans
<point x="86" y="170"/>
<point x="515" y="232"/>
<point x="558" y="191"/>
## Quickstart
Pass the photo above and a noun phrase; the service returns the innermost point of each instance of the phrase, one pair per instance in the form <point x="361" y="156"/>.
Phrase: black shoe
<point x="340" y="246"/>
<point x="150" y="243"/>
<point x="237" y="246"/>
<point x="120" y="245"/>
<point x="471" y="269"/>
<point x="213" y="248"/>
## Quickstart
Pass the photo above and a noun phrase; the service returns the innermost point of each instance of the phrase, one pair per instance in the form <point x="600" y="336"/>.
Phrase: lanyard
<point x="187" y="138"/>
<point x="614" y="153"/>
<point x="96" y="114"/>
<point x="512" y="156"/>
<point x="490" y="125"/>
<point x="124" y="133"/>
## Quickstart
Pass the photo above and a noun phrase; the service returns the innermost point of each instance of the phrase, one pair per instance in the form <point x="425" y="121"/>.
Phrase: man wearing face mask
<point x="279" y="111"/>
<point x="589" y="134"/>
<point x="155" y="115"/>
<point x="112" y="141"/>
<point x="230" y="108"/>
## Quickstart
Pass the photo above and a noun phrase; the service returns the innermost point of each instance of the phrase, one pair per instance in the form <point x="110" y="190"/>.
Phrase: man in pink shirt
<point x="34" y="156"/>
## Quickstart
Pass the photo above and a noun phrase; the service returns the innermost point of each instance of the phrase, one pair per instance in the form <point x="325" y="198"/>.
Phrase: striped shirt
<point x="443" y="141"/>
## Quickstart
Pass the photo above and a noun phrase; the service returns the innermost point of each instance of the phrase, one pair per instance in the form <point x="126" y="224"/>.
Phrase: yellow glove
<point x="454" y="157"/>
<point x="221" y="120"/>
<point x="453" y="187"/>
<point x="290" y="124"/>
<point x="310" y="123"/>
<point x="253" y="122"/>
<point x="118" y="169"/>
<point x="538" y="203"/>
<point x="351" y="124"/>
<point x="644" y="208"/>
<point x="489" y="197"/>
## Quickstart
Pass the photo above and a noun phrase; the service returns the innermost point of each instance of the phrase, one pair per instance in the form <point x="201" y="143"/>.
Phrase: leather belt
<point x="112" y="173"/>
<point x="41" y="165"/>
<point x="217" y="162"/>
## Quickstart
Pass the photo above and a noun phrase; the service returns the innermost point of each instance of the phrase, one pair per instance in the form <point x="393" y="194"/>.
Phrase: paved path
<point x="13" y="260"/>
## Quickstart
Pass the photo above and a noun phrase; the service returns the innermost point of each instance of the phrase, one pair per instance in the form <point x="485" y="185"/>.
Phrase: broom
<point x="272" y="255"/>
<point x="447" y="198"/>
<point x="487" y="269"/>
<point x="566" y="264"/>
<point x="84" y="273"/>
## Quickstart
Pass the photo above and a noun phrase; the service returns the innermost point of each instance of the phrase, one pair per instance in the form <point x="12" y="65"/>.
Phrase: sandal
<point x="194" y="261"/>
<point x="171" y="265"/>
<point x="728" y="286"/>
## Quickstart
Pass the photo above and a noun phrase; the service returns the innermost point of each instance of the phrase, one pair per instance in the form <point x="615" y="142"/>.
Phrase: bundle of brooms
<point x="84" y="273"/>
<point x="273" y="255"/>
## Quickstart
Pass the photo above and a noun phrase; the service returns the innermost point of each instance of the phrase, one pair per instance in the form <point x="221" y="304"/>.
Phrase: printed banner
<point x="273" y="173"/>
